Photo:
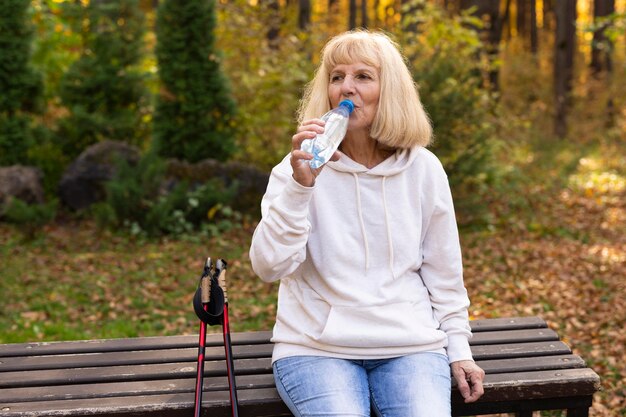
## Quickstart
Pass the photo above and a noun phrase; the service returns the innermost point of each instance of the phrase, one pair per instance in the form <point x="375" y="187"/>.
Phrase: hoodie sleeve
<point x="442" y="269"/>
<point x="279" y="241"/>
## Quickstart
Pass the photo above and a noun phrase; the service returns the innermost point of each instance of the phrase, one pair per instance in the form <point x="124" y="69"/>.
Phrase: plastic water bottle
<point x="325" y="144"/>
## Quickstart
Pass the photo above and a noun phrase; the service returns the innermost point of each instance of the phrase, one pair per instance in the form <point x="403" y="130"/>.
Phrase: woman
<point x="372" y="309"/>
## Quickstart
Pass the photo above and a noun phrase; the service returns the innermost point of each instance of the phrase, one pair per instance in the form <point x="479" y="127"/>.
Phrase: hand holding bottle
<point x="319" y="140"/>
<point x="302" y="171"/>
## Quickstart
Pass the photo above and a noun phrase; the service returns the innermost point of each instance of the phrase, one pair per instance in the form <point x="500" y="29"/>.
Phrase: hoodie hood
<point x="396" y="163"/>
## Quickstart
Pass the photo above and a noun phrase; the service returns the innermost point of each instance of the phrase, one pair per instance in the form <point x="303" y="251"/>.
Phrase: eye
<point x="335" y="77"/>
<point x="364" y="76"/>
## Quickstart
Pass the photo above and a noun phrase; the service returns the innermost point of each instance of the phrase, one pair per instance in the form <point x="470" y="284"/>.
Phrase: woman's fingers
<point x="307" y="130"/>
<point x="302" y="172"/>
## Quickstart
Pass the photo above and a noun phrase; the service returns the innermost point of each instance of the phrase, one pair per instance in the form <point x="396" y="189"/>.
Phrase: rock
<point x="21" y="182"/>
<point x="82" y="183"/>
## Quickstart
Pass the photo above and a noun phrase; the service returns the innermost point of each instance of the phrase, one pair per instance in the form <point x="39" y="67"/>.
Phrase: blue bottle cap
<point x="347" y="103"/>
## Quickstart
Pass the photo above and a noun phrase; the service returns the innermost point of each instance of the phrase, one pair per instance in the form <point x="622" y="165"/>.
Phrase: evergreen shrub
<point x="194" y="114"/>
<point x="30" y="218"/>
<point x="21" y="87"/>
<point x="104" y="90"/>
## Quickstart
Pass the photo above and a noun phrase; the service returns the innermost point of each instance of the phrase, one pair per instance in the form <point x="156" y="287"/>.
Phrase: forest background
<point x="527" y="102"/>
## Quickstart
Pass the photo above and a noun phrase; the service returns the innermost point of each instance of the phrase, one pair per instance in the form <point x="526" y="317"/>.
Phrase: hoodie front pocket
<point x="389" y="325"/>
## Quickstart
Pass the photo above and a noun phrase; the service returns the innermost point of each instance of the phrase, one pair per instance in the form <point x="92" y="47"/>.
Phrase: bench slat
<point x="92" y="360"/>
<point x="129" y="373"/>
<point x="513" y="336"/>
<point x="128" y="344"/>
<point x="164" y="405"/>
<point x="507" y="323"/>
<point x="130" y="388"/>
<point x="556" y="383"/>
<point x="522" y="350"/>
<point x="500" y="366"/>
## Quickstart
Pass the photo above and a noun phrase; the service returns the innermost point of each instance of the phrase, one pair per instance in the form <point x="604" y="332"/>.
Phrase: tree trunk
<point x="495" y="37"/>
<point x="494" y="28"/>
<point x="601" y="59"/>
<point x="548" y="14"/>
<point x="563" y="61"/>
<point x="534" y="38"/>
<point x="377" y="21"/>
<point x="521" y="19"/>
<point x="333" y="16"/>
<point x="364" y="13"/>
<point x="600" y="46"/>
<point x="273" y="29"/>
<point x="352" y="15"/>
<point x="304" y="14"/>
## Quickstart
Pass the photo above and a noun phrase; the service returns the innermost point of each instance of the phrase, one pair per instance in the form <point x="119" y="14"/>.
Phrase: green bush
<point x="447" y="60"/>
<point x="194" y="115"/>
<point x="104" y="90"/>
<point x="46" y="155"/>
<point x="30" y="218"/>
<point x="21" y="87"/>
<point x="16" y="136"/>
<point x="140" y="199"/>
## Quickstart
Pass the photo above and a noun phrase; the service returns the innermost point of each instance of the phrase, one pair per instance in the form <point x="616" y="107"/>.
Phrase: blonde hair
<point x="400" y="121"/>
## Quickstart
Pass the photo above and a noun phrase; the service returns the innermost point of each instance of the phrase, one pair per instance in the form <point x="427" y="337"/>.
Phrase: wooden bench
<point x="528" y="368"/>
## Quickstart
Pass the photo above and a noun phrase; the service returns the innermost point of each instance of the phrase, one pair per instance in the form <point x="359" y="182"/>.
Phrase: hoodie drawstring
<point x="362" y="224"/>
<point x="358" y="202"/>
<point x="389" y="240"/>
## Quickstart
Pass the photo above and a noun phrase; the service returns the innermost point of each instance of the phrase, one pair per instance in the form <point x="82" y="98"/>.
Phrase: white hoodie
<point x="369" y="260"/>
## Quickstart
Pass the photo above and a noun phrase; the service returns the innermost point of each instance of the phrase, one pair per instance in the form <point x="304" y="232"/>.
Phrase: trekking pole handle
<point x="220" y="267"/>
<point x="205" y="290"/>
<point x="222" y="281"/>
<point x="205" y="282"/>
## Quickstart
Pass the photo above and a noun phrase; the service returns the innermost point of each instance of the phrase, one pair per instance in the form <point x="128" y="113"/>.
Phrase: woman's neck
<point x="365" y="150"/>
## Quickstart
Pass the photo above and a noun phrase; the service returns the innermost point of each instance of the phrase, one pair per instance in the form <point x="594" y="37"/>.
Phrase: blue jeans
<point x="415" y="385"/>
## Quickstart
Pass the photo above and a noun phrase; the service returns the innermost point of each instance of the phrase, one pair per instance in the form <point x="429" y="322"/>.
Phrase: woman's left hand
<point x="469" y="378"/>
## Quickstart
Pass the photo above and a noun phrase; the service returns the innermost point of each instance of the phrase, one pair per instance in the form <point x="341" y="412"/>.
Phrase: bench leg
<point x="578" y="412"/>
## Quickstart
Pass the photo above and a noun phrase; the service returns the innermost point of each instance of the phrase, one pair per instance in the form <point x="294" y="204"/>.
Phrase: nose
<point x="348" y="87"/>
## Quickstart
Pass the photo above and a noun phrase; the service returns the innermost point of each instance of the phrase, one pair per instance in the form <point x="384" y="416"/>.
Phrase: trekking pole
<point x="205" y="297"/>
<point x="228" y="349"/>
<point x="210" y="305"/>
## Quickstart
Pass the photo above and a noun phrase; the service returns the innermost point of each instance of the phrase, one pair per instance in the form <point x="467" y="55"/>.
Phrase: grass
<point x="76" y="282"/>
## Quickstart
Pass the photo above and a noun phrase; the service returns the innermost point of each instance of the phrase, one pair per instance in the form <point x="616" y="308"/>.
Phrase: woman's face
<point x="359" y="83"/>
